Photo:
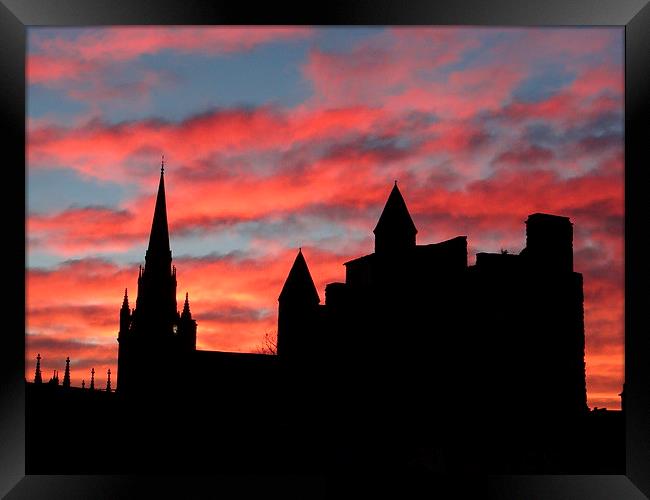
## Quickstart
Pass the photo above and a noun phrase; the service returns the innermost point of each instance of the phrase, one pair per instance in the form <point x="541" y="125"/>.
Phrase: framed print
<point x="363" y="248"/>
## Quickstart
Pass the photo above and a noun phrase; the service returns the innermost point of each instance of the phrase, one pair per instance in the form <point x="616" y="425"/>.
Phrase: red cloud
<point x="64" y="58"/>
<point x="83" y="229"/>
<point x="131" y="42"/>
<point x="103" y="150"/>
<point x="41" y="68"/>
<point x="378" y="67"/>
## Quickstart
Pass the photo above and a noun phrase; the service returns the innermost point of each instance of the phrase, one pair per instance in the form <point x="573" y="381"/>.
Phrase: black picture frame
<point x="17" y="15"/>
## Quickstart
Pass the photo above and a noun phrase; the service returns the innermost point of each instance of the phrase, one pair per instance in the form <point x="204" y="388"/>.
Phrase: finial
<point x="299" y="249"/>
<point x="38" y="379"/>
<point x="66" y="374"/>
<point x="83" y="383"/>
<point x="396" y="182"/>
<point x="162" y="164"/>
<point x="186" y="307"/>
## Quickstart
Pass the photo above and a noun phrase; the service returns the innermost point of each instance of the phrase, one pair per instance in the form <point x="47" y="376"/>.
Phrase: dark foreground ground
<point x="77" y="431"/>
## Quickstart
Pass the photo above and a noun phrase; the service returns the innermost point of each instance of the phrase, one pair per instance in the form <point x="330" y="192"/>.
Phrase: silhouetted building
<point x="505" y="334"/>
<point x="154" y="331"/>
<point x="415" y="350"/>
<point x="410" y="320"/>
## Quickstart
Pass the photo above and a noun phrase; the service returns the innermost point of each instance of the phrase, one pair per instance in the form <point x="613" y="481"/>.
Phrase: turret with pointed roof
<point x="298" y="311"/>
<point x="299" y="285"/>
<point x="125" y="316"/>
<point x="187" y="327"/>
<point x="124" y="334"/>
<point x="186" y="314"/>
<point x="395" y="231"/>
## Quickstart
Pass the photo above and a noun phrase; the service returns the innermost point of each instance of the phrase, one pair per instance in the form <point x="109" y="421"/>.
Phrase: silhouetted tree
<point x="269" y="344"/>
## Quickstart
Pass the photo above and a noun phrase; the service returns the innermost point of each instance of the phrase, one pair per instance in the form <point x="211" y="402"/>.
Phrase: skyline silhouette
<point x="395" y="237"/>
<point x="501" y="123"/>
<point x="418" y="340"/>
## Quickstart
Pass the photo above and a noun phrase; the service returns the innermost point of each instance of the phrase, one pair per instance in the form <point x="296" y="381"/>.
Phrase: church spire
<point x="155" y="306"/>
<point x="92" y="379"/>
<point x="299" y="284"/>
<point x="108" y="381"/>
<point x="38" y="378"/>
<point x="395" y="230"/>
<point x="159" y="237"/>
<point x="125" y="302"/>
<point x="66" y="374"/>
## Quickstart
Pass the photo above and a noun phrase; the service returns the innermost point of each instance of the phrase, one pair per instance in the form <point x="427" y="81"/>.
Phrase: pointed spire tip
<point x="159" y="237"/>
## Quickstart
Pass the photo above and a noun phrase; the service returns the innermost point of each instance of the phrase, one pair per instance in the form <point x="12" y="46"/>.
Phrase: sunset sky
<point x="279" y="138"/>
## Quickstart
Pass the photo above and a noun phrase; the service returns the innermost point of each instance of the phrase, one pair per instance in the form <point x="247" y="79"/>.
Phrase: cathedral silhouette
<point x="417" y="361"/>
